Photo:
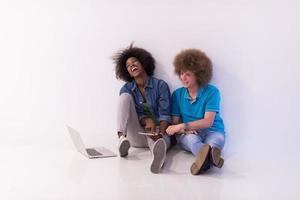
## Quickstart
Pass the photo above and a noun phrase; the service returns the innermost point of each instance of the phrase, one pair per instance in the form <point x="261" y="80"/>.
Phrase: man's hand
<point x="179" y="128"/>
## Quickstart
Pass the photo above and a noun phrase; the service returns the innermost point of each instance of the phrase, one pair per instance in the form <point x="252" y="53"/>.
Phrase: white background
<point x="56" y="67"/>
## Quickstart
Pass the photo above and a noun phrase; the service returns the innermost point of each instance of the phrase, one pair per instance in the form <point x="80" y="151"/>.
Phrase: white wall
<point x="55" y="65"/>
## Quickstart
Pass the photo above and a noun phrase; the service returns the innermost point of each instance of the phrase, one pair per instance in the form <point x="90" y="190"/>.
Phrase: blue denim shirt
<point x="157" y="95"/>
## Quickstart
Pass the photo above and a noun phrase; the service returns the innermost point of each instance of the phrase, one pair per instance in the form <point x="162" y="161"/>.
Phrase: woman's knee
<point x="125" y="100"/>
<point x="125" y="97"/>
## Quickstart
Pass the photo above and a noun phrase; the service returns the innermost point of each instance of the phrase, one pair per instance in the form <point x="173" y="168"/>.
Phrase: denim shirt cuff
<point x="165" y="118"/>
<point x="141" y="117"/>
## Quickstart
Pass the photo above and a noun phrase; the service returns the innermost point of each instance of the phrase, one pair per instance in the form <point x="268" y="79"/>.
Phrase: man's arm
<point x="206" y="122"/>
<point x="175" y="120"/>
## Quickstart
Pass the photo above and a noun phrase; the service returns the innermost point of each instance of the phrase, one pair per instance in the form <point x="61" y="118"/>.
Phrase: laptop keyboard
<point x="93" y="152"/>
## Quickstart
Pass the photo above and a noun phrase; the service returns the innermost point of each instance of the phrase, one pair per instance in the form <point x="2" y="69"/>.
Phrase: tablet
<point x="148" y="134"/>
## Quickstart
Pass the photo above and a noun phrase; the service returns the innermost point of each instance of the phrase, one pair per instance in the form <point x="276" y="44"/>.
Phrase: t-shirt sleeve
<point x="213" y="101"/>
<point x="175" y="111"/>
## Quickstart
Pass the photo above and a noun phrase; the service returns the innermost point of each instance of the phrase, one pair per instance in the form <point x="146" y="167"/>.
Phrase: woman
<point x="144" y="105"/>
<point x="195" y="111"/>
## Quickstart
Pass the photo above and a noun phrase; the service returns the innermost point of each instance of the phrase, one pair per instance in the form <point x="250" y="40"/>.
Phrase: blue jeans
<point x="194" y="142"/>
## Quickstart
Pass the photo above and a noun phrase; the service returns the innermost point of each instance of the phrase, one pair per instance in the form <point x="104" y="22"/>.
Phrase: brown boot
<point x="216" y="159"/>
<point x="202" y="156"/>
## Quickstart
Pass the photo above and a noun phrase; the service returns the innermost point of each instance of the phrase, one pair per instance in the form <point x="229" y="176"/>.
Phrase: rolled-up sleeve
<point x="164" y="102"/>
<point x="141" y="116"/>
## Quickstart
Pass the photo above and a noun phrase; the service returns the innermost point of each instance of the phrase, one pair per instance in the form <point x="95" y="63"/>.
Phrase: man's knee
<point x="216" y="142"/>
<point x="189" y="139"/>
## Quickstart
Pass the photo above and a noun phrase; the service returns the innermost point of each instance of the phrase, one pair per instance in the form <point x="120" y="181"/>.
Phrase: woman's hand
<point x="150" y="125"/>
<point x="178" y="128"/>
<point x="156" y="137"/>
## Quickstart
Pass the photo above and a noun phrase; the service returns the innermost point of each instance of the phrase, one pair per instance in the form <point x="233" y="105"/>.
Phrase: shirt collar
<point x="149" y="83"/>
<point x="187" y="96"/>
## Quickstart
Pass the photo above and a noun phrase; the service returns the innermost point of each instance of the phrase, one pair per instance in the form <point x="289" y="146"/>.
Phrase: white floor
<point x="47" y="173"/>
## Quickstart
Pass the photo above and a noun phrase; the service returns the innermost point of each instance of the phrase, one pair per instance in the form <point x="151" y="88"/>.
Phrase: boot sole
<point x="201" y="157"/>
<point x="124" y="147"/>
<point x="159" y="154"/>
<point x="216" y="157"/>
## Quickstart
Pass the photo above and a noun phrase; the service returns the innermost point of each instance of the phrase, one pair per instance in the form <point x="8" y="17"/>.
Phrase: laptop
<point x="97" y="152"/>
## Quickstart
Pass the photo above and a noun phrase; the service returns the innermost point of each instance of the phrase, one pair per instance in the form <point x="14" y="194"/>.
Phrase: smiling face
<point x="134" y="67"/>
<point x="188" y="79"/>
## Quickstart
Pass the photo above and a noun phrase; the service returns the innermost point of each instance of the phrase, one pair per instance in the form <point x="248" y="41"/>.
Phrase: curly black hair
<point x="196" y="61"/>
<point x="143" y="56"/>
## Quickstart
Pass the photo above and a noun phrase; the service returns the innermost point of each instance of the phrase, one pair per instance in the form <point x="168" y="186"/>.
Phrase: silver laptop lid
<point x="77" y="141"/>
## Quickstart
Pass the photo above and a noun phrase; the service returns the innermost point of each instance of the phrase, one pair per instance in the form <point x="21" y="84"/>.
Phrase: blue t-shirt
<point x="207" y="100"/>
